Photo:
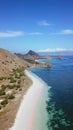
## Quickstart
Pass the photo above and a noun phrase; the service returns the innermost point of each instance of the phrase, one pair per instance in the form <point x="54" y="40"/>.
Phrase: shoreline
<point x="33" y="103"/>
<point x="8" y="115"/>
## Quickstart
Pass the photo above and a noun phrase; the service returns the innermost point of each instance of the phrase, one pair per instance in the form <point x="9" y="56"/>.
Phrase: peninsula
<point x="14" y="84"/>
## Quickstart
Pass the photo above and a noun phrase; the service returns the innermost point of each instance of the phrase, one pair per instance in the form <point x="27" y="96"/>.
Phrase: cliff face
<point x="9" y="61"/>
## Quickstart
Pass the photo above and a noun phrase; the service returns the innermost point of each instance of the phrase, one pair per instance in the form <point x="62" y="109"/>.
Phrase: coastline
<point x="8" y="115"/>
<point x="32" y="106"/>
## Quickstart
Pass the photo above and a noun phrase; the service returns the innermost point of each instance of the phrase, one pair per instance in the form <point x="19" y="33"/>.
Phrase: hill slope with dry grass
<point x="13" y="85"/>
<point x="9" y="61"/>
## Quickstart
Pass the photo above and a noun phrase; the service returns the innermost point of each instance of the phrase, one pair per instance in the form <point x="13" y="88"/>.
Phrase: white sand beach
<point x="32" y="114"/>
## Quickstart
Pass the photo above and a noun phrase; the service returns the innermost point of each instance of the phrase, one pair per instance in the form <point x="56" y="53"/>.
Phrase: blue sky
<point x="36" y="24"/>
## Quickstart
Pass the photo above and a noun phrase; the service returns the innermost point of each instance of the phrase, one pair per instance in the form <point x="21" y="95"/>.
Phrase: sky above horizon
<point x="36" y="25"/>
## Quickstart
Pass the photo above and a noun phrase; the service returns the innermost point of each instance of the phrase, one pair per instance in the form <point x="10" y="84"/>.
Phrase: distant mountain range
<point x="32" y="55"/>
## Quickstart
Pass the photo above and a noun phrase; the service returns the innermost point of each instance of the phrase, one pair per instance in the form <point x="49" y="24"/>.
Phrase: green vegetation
<point x="17" y="76"/>
<point x="18" y="86"/>
<point x="20" y="89"/>
<point x="2" y="92"/>
<point x="19" y="71"/>
<point x="19" y="81"/>
<point x="0" y="107"/>
<point x="3" y="87"/>
<point x="4" y="102"/>
<point x="11" y="96"/>
<point x="12" y="86"/>
<point x="12" y="80"/>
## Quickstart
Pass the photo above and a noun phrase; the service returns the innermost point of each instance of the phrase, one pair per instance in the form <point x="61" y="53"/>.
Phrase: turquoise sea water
<point x="60" y="106"/>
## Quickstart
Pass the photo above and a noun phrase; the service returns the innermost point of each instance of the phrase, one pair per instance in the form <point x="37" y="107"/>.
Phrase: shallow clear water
<point x="60" y="78"/>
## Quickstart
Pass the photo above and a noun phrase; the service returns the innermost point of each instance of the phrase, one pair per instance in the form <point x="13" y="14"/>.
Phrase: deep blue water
<point x="60" y="78"/>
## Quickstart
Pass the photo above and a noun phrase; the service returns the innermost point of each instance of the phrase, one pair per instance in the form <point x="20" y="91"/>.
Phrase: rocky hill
<point x="32" y="56"/>
<point x="32" y="53"/>
<point x="9" y="61"/>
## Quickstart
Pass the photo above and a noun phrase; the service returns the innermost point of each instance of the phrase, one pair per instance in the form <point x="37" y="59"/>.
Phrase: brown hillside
<point x="9" y="61"/>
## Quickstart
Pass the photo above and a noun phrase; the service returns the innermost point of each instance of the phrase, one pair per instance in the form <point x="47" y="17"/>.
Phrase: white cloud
<point x="11" y="34"/>
<point x="33" y="33"/>
<point x="7" y="34"/>
<point x="65" y="32"/>
<point x="43" y="23"/>
<point x="55" y="50"/>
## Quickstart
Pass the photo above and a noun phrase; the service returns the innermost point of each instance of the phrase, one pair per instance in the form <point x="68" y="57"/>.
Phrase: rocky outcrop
<point x="46" y="64"/>
<point x="60" y="58"/>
